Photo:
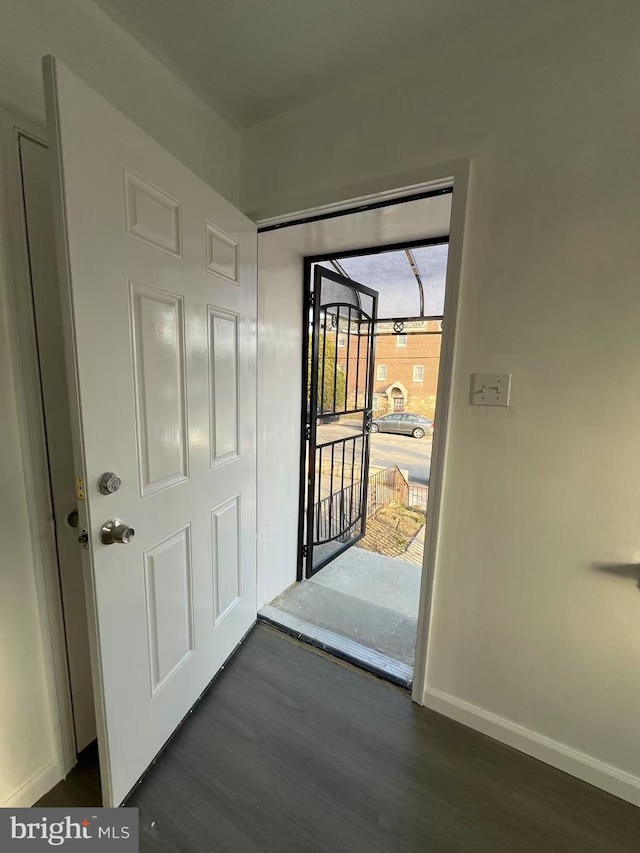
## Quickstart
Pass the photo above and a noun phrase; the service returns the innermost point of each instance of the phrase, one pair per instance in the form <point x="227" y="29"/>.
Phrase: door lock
<point x="115" y="531"/>
<point x="109" y="483"/>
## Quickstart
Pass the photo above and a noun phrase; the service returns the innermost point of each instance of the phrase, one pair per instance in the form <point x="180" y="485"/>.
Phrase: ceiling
<point x="252" y="59"/>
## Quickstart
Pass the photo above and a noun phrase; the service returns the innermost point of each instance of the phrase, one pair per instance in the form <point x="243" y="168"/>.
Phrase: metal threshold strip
<point x="339" y="646"/>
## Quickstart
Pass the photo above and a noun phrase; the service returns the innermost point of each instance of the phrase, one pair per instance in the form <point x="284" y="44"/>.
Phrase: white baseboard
<point x="34" y="788"/>
<point x="579" y="764"/>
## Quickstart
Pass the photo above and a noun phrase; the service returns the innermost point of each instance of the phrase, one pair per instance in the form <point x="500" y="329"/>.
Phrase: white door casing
<point x="158" y="276"/>
<point x="36" y="184"/>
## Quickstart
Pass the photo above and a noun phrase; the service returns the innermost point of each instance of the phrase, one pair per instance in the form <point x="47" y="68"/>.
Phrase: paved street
<point x="407" y="453"/>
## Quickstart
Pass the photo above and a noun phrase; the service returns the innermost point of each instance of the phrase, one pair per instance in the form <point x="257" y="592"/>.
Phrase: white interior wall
<point x="536" y="619"/>
<point x="280" y="300"/>
<point x="93" y="46"/>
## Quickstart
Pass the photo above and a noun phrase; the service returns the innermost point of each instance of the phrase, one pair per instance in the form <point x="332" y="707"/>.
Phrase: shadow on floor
<point x="82" y="785"/>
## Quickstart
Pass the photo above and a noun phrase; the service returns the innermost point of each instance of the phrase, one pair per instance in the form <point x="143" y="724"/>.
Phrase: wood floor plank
<point x="81" y="787"/>
<point x="292" y="752"/>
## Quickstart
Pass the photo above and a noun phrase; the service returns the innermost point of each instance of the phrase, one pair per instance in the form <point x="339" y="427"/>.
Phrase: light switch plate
<point x="490" y="389"/>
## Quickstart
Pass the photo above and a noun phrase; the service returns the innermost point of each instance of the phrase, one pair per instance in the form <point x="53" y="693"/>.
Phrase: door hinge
<point x="307" y="432"/>
<point x="305" y="552"/>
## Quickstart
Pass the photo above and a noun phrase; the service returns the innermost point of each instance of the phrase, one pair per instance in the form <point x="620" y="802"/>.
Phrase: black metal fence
<point x="386" y="486"/>
<point x="338" y="516"/>
<point x="417" y="498"/>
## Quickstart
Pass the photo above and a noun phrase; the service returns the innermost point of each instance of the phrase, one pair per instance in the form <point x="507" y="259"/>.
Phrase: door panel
<point x="409" y="423"/>
<point x="157" y="324"/>
<point x="169" y="605"/>
<point x="340" y="394"/>
<point x="223" y="369"/>
<point x="159" y="293"/>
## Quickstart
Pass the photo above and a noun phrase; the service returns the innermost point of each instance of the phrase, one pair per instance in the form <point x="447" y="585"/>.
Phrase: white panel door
<point x="159" y="289"/>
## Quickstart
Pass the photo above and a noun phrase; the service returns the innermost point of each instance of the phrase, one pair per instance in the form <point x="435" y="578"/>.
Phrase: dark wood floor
<point x="81" y="787"/>
<point x="290" y="751"/>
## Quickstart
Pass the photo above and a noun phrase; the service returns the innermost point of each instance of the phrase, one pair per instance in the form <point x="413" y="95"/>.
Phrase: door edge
<point x="49" y="71"/>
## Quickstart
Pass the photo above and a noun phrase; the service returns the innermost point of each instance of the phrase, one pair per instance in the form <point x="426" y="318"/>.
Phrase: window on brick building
<point x="382" y="372"/>
<point x="341" y="339"/>
<point x="418" y="373"/>
<point x="401" y="341"/>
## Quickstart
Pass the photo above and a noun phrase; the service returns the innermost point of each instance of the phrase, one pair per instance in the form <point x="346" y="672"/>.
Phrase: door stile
<point x="313" y="423"/>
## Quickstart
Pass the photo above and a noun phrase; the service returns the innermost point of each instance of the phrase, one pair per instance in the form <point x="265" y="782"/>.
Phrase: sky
<point x="390" y="274"/>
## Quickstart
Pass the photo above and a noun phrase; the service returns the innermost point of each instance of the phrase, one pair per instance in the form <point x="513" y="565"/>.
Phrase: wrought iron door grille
<point x="339" y="414"/>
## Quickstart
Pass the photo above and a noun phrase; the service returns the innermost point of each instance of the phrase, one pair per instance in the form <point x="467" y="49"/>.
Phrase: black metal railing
<point x="417" y="498"/>
<point x="384" y="487"/>
<point x="336" y="516"/>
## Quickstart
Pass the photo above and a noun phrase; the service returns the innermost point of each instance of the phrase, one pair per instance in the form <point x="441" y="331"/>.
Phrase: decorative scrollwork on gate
<point x="398" y="327"/>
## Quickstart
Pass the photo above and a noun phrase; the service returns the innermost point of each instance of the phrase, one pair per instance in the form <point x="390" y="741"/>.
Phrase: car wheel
<point x="418" y="432"/>
<point x="374" y="428"/>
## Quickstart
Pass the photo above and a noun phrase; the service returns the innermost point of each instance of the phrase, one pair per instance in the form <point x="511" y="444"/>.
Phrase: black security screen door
<point x="339" y="412"/>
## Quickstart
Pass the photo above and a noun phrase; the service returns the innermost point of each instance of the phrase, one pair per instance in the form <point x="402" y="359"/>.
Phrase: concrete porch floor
<point x="366" y="597"/>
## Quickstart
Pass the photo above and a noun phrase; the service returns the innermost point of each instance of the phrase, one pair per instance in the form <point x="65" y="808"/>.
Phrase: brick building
<point x="405" y="371"/>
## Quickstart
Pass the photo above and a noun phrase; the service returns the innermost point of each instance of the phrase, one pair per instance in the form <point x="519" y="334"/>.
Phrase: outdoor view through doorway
<point x="371" y="374"/>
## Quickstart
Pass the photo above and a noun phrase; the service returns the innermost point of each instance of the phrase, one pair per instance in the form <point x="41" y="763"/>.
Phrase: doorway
<point x="370" y="397"/>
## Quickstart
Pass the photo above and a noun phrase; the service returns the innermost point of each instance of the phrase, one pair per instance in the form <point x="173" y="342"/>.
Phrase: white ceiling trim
<point x="357" y="202"/>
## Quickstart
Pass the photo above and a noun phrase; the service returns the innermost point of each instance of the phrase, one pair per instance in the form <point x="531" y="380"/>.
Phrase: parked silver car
<point x="403" y="423"/>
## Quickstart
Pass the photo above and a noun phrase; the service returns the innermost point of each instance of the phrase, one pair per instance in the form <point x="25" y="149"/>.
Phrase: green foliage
<point x="325" y="390"/>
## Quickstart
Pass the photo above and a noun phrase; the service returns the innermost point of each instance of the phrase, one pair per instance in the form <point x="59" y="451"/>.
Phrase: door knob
<point x="116" y="531"/>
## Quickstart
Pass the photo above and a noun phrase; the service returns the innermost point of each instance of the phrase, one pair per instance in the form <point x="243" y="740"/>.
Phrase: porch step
<point x="378" y="628"/>
<point x="391" y="582"/>
<point x="335" y="644"/>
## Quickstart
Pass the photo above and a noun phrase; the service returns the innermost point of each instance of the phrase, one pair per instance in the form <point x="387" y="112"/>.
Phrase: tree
<point x="326" y="390"/>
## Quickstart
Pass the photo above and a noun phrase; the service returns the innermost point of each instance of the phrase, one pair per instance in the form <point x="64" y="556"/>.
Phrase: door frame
<point x="307" y="309"/>
<point x="24" y="353"/>
<point x="380" y="192"/>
